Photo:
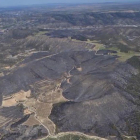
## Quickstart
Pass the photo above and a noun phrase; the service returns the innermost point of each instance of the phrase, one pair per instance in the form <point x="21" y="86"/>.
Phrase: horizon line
<point x="70" y="3"/>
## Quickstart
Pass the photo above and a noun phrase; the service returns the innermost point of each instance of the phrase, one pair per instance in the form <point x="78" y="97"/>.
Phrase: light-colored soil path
<point x="49" y="93"/>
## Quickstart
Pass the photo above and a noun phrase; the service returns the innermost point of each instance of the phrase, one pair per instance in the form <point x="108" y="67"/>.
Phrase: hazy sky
<point x="29" y="2"/>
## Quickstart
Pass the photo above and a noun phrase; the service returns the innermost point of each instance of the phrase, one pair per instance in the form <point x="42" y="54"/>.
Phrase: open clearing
<point x="49" y="94"/>
<point x="73" y="136"/>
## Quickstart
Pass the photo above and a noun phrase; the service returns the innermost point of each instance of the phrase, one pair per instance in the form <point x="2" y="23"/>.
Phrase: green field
<point x="123" y="56"/>
<point x="69" y="137"/>
<point x="41" y="33"/>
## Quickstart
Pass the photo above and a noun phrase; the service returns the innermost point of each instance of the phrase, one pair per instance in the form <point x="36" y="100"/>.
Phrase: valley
<point x="70" y="72"/>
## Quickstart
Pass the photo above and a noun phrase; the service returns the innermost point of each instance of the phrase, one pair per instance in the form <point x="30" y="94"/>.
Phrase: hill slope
<point x="69" y="91"/>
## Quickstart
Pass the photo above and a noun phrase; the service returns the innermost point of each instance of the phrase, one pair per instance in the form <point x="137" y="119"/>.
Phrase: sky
<point x="5" y="3"/>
